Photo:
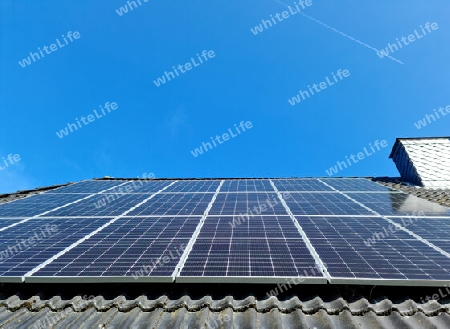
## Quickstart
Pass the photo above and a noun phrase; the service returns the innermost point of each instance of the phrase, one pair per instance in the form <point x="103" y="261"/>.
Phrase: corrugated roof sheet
<point x="224" y="313"/>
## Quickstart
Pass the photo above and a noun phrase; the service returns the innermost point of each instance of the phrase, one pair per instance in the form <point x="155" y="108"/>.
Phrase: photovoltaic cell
<point x="361" y="249"/>
<point x="87" y="187"/>
<point x="194" y="186"/>
<point x="323" y="204"/>
<point x="140" y="186"/>
<point x="247" y="185"/>
<point x="239" y="204"/>
<point x="170" y="204"/>
<point x="356" y="184"/>
<point x="36" y="204"/>
<point x="399" y="204"/>
<point x="300" y="185"/>
<point x="101" y="205"/>
<point x="130" y="247"/>
<point x="264" y="246"/>
<point x="29" y="244"/>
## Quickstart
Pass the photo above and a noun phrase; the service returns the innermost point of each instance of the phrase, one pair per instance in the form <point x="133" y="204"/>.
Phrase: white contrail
<point x="341" y="33"/>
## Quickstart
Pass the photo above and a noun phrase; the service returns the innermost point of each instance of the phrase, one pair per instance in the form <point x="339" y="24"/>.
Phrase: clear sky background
<point x="250" y="78"/>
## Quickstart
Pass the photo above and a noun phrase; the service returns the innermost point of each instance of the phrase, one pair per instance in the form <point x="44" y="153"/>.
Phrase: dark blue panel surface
<point x="399" y="204"/>
<point x="36" y="204"/>
<point x="261" y="246"/>
<point x="247" y="203"/>
<point x="194" y="186"/>
<point x="4" y="222"/>
<point x="369" y="248"/>
<point x="247" y="185"/>
<point x="141" y="186"/>
<point x="27" y="245"/>
<point x="169" y="204"/>
<point x="88" y="187"/>
<point x="323" y="204"/>
<point x="299" y="185"/>
<point x="101" y="205"/>
<point x="128" y="247"/>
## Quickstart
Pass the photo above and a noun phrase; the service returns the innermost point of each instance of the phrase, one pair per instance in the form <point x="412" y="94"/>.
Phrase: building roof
<point x="423" y="161"/>
<point x="227" y="305"/>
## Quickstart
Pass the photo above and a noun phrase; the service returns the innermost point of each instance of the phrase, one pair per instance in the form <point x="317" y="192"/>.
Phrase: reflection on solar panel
<point x="170" y="204"/>
<point x="263" y="246"/>
<point x="236" y="230"/>
<point x="399" y="204"/>
<point x="434" y="230"/>
<point x="29" y="244"/>
<point x="351" y="251"/>
<point x="135" y="248"/>
<point x="355" y="184"/>
<point x="298" y="185"/>
<point x="247" y="203"/>
<point x="87" y="187"/>
<point x="323" y="204"/>
<point x="247" y="185"/>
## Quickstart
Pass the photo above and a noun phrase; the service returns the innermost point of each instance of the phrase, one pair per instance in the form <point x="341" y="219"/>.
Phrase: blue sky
<point x="250" y="78"/>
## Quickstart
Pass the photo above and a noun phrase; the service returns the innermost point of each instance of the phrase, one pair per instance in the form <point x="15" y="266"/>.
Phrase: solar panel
<point x="235" y="230"/>
<point x="29" y="244"/>
<point x="194" y="186"/>
<point x="399" y="204"/>
<point x="169" y="204"/>
<point x="359" y="250"/>
<point x="247" y="203"/>
<point x="36" y="204"/>
<point x="101" y="205"/>
<point x="323" y="204"/>
<point x="87" y="187"/>
<point x="247" y="185"/>
<point x="355" y="184"/>
<point x="140" y="186"/>
<point x="130" y="249"/>
<point x="299" y="185"/>
<point x="260" y="249"/>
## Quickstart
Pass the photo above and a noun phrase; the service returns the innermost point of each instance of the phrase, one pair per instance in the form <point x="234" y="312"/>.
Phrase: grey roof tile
<point x="223" y="313"/>
<point x="437" y="195"/>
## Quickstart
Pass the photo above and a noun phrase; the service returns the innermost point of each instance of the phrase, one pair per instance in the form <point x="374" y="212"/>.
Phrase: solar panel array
<point x="311" y="230"/>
